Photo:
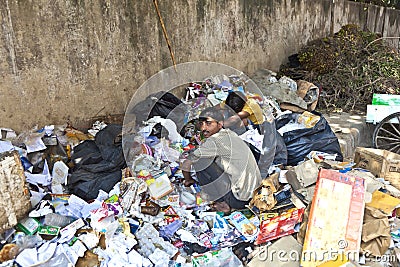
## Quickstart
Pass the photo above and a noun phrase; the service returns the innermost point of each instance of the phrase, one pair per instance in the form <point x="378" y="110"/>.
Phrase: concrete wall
<point x="75" y="59"/>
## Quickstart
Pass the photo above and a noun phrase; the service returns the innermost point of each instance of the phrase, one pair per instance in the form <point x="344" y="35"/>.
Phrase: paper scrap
<point x="5" y="146"/>
<point x="34" y="143"/>
<point x="44" y="178"/>
<point x="383" y="202"/>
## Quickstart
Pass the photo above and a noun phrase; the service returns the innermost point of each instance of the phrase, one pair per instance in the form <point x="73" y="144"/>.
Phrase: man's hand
<point x="188" y="181"/>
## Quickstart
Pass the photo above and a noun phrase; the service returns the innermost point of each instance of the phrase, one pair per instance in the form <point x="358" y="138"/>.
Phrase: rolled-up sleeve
<point x="207" y="150"/>
<point x="204" y="155"/>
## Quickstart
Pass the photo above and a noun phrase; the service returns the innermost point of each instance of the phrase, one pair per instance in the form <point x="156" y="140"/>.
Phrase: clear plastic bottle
<point x="28" y="241"/>
<point x="54" y="219"/>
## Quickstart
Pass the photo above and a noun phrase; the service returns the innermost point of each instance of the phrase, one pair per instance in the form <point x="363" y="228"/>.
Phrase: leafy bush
<point x="350" y="66"/>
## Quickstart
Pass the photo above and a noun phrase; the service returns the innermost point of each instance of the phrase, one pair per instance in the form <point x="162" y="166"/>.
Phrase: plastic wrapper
<point x="225" y="235"/>
<point x="55" y="219"/>
<point x="144" y="162"/>
<point x="164" y="152"/>
<point x="245" y="227"/>
<point x="170" y="126"/>
<point x="129" y="196"/>
<point x="219" y="258"/>
<point x="169" y="230"/>
<point x="205" y="239"/>
<point x="220" y="225"/>
<point x="308" y="119"/>
<point x="68" y="232"/>
<point x="170" y="215"/>
<point x="171" y="199"/>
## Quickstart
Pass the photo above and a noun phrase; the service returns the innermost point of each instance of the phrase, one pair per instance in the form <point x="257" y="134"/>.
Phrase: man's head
<point x="210" y="121"/>
<point x="236" y="101"/>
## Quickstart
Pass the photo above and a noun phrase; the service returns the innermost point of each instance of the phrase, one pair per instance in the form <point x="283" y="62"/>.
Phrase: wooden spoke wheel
<point x="387" y="133"/>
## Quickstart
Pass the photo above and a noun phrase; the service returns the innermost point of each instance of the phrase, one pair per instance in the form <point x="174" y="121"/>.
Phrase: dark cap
<point x="211" y="112"/>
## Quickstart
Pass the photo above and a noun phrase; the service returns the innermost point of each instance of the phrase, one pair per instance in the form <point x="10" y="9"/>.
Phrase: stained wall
<point x="76" y="59"/>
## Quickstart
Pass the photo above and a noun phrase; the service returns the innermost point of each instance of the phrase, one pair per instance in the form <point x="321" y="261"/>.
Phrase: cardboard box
<point x="381" y="163"/>
<point x="28" y="225"/>
<point x="159" y="186"/>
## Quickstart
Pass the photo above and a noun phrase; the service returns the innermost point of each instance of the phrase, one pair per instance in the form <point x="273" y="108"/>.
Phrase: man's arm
<point x="233" y="122"/>
<point x="185" y="166"/>
<point x="204" y="153"/>
<point x="243" y="114"/>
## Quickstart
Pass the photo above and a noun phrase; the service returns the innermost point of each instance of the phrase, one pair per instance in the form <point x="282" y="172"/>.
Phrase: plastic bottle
<point x="28" y="241"/>
<point x="54" y="219"/>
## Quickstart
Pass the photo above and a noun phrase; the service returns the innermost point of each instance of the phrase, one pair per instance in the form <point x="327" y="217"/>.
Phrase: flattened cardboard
<point x="336" y="218"/>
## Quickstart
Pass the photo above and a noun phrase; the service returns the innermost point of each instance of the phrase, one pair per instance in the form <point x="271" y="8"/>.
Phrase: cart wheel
<point x="387" y="133"/>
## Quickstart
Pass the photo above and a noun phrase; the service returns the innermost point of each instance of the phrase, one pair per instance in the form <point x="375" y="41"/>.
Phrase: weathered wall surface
<point x="76" y="59"/>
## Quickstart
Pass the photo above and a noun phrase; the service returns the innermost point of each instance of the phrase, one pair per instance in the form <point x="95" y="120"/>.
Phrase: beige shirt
<point x="233" y="156"/>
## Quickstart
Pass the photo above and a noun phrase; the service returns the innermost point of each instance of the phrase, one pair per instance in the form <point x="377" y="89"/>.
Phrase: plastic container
<point x="54" y="219"/>
<point x="60" y="172"/>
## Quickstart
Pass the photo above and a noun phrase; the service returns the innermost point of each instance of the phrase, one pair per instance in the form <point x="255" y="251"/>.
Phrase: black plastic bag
<point x="274" y="149"/>
<point x="89" y="183"/>
<point x="98" y="163"/>
<point x="300" y="142"/>
<point x="280" y="151"/>
<point x="164" y="105"/>
<point x="158" y="104"/>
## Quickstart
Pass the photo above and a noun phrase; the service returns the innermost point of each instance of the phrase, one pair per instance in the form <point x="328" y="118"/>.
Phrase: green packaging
<point x="49" y="230"/>
<point x="28" y="225"/>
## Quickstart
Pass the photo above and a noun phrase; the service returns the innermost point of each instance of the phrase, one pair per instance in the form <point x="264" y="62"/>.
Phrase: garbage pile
<point x="114" y="197"/>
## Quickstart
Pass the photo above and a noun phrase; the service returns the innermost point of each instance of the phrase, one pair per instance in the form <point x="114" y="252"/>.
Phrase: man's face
<point x="209" y="127"/>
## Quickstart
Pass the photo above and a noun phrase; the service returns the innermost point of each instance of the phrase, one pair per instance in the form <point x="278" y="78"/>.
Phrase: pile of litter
<point x="113" y="197"/>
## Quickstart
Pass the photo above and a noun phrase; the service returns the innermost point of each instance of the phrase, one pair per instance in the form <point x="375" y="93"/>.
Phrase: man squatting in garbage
<point x="225" y="167"/>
